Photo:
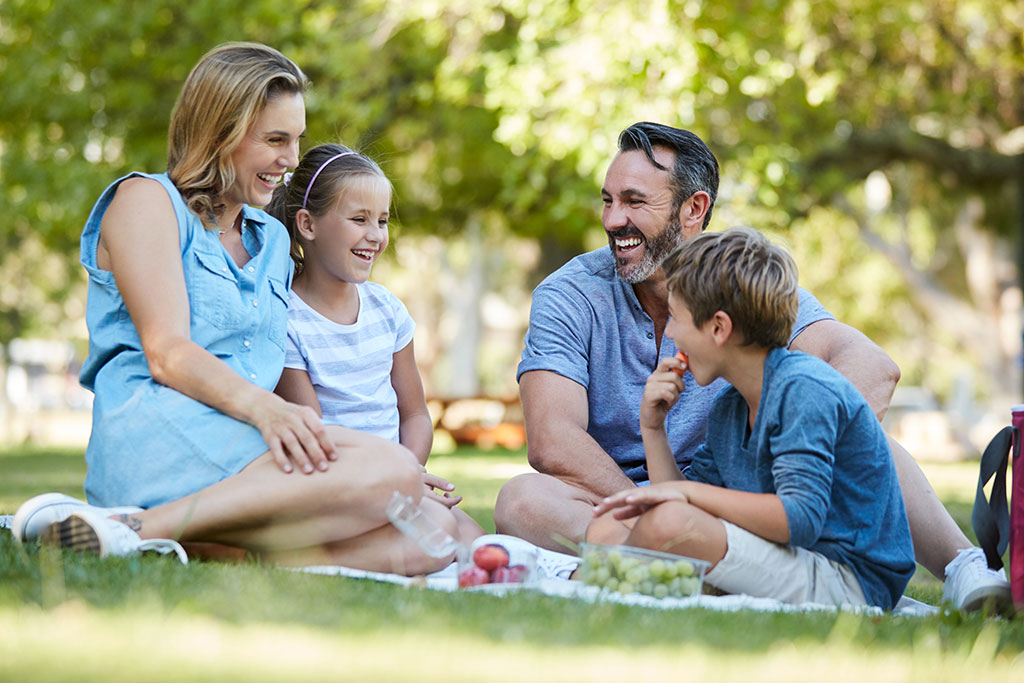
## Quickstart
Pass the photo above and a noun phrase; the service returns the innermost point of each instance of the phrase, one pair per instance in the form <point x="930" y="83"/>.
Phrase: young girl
<point x="350" y="350"/>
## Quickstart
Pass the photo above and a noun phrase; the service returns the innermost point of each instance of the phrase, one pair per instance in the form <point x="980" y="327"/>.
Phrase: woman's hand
<point x="296" y="436"/>
<point x="432" y="482"/>
<point x="636" y="501"/>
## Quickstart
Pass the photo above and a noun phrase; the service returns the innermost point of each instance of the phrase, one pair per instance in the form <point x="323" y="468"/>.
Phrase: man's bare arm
<point x="557" y="414"/>
<point x="859" y="359"/>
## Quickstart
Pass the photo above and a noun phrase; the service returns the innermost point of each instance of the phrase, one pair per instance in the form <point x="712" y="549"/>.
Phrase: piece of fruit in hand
<point x="683" y="358"/>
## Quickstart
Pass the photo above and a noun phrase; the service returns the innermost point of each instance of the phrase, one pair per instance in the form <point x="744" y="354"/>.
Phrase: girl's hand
<point x="661" y="392"/>
<point x="296" y="436"/>
<point x="432" y="482"/>
<point x="636" y="501"/>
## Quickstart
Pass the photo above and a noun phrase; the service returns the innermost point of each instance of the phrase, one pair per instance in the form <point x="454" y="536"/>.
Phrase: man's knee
<point x="516" y="501"/>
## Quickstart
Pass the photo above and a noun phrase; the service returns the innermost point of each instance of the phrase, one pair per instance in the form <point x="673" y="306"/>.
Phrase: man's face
<point x="637" y="215"/>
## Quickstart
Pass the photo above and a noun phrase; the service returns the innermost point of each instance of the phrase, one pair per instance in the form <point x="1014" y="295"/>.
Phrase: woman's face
<point x="270" y="147"/>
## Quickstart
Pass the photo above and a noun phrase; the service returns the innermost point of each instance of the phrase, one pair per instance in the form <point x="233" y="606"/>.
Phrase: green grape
<point x="684" y="568"/>
<point x="626" y="587"/>
<point x="646" y="587"/>
<point x="612" y="584"/>
<point x="660" y="591"/>
<point x="657" y="569"/>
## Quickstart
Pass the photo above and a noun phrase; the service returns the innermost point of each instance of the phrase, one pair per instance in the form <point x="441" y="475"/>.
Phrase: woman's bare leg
<point x="384" y="549"/>
<point x="264" y="509"/>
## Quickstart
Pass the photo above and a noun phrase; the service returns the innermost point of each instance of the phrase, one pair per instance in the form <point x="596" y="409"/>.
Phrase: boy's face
<point x="696" y="342"/>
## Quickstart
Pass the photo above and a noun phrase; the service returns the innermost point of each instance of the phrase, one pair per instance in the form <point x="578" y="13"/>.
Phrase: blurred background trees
<point x="884" y="142"/>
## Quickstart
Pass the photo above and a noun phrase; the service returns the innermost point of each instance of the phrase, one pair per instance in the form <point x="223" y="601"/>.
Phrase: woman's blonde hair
<point x="221" y="99"/>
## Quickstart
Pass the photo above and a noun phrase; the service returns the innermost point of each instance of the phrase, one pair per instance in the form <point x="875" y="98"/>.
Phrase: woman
<point x="187" y="295"/>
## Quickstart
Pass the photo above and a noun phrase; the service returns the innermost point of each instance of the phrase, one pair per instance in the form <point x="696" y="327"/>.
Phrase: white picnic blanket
<point x="446" y="580"/>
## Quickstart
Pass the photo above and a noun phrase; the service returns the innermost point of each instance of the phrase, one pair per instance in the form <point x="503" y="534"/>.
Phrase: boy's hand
<point x="661" y="392"/>
<point x="636" y="501"/>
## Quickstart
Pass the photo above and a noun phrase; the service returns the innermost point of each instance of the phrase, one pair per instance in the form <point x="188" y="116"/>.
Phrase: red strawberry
<point x="473" y="576"/>
<point x="683" y="358"/>
<point x="491" y="556"/>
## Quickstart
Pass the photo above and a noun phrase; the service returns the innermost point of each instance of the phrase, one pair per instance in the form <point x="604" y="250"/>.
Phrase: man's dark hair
<point x="695" y="170"/>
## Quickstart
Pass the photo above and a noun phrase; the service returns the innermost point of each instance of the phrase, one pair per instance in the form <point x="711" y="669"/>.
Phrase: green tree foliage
<point x="504" y="114"/>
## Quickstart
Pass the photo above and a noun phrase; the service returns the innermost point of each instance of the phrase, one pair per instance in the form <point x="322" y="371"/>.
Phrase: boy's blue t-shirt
<point x="817" y="445"/>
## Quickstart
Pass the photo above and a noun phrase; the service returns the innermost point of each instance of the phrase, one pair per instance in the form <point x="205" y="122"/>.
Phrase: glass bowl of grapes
<point x="624" y="569"/>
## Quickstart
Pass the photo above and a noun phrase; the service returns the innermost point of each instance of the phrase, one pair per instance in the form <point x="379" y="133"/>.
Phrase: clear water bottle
<point x="410" y="519"/>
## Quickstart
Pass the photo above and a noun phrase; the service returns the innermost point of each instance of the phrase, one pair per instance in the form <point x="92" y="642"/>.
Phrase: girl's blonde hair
<point x="221" y="99"/>
<point x="323" y="175"/>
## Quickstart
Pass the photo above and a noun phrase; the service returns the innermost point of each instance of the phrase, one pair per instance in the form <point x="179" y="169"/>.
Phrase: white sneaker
<point x="36" y="514"/>
<point x="92" y="531"/>
<point x="970" y="583"/>
<point x="550" y="565"/>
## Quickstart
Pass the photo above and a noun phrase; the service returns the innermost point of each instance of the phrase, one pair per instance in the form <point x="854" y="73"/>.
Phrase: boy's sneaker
<point x="92" y="531"/>
<point x="550" y="565"/>
<point x="36" y="514"/>
<point x="970" y="583"/>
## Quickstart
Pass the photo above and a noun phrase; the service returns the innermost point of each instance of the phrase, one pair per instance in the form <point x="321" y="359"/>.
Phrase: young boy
<point x="793" y="495"/>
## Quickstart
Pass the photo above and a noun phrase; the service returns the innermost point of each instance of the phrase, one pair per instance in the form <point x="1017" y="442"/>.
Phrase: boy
<point x="793" y="495"/>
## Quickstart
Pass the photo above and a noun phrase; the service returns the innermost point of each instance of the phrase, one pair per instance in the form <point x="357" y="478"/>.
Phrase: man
<point x="596" y="333"/>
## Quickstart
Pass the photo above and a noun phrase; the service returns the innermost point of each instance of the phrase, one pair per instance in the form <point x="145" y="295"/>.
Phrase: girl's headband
<point x="313" y="179"/>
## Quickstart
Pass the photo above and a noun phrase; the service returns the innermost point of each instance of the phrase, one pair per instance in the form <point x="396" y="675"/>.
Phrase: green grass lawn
<point x="69" y="617"/>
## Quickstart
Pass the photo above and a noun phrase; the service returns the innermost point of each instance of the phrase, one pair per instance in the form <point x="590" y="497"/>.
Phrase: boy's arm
<point x="759" y="513"/>
<point x="660" y="394"/>
<point x="416" y="429"/>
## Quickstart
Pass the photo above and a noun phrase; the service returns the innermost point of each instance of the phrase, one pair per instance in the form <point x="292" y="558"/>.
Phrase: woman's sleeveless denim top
<point x="151" y="444"/>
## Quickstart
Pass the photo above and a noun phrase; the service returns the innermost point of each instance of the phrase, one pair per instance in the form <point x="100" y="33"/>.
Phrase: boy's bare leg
<point x="682" y="529"/>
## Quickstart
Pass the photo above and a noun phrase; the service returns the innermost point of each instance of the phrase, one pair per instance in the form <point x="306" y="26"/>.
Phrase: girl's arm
<point x="416" y="429"/>
<point x="139" y="245"/>
<point x="296" y="387"/>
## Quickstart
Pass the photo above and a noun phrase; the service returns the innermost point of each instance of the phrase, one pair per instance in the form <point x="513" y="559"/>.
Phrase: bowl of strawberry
<point x="492" y="564"/>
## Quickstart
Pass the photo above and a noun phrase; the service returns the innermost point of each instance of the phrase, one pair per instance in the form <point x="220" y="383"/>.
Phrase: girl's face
<point x="347" y="239"/>
<point x="270" y="147"/>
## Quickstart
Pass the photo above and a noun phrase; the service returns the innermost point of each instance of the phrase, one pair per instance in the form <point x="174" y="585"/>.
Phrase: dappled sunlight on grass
<point x="145" y="642"/>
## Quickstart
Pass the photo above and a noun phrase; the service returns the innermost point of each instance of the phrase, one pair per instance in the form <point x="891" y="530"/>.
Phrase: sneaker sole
<point x="992" y="601"/>
<point x="23" y="516"/>
<point x="74" y="533"/>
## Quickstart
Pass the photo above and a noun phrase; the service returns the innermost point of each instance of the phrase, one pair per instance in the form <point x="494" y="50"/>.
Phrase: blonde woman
<point x="188" y="287"/>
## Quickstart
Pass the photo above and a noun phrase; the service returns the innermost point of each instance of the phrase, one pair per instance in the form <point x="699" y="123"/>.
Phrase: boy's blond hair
<point x="743" y="274"/>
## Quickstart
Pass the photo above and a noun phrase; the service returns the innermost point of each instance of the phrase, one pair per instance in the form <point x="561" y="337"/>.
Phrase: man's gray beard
<point x="655" y="253"/>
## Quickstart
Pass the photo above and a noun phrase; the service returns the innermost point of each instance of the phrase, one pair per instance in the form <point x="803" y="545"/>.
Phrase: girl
<point x="350" y="350"/>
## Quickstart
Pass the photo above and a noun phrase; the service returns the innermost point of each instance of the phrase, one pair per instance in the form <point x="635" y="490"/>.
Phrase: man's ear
<point x="304" y="224"/>
<point x="692" y="212"/>
<point x="721" y="327"/>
